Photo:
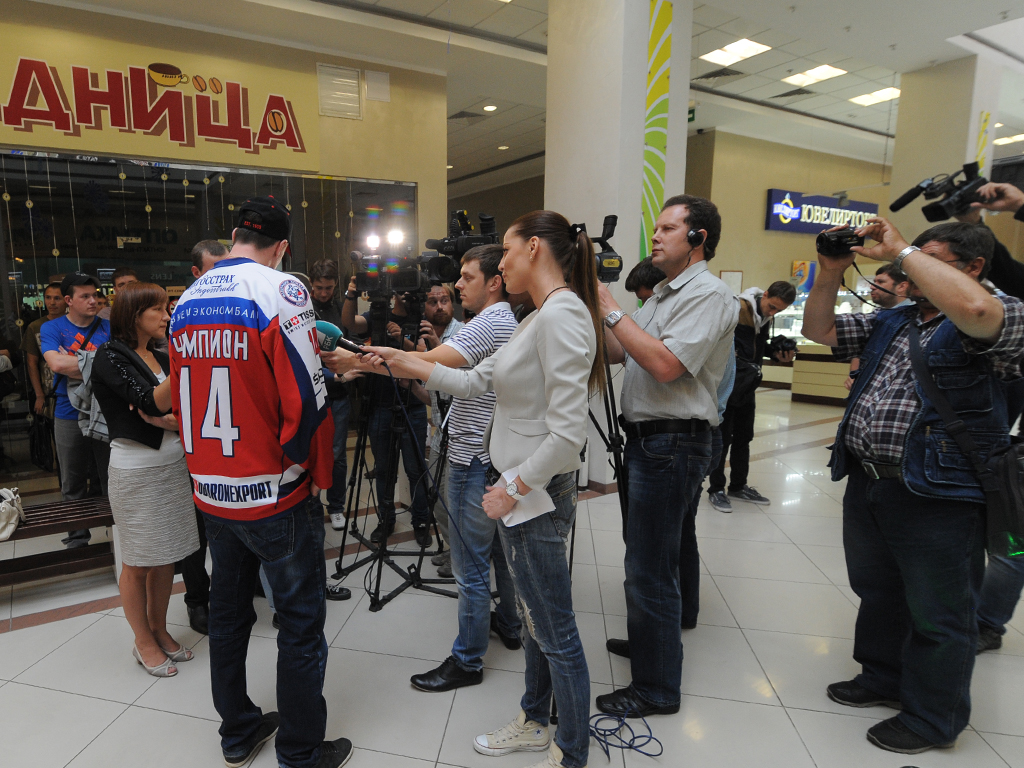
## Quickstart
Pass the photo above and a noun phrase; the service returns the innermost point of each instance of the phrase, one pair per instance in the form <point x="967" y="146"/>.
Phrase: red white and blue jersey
<point x="248" y="391"/>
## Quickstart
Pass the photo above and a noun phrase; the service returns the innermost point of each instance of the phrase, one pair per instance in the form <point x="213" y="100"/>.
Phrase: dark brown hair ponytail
<point x="574" y="253"/>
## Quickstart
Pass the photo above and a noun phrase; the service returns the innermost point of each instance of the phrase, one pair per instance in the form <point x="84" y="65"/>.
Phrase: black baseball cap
<point x="71" y="279"/>
<point x="265" y="216"/>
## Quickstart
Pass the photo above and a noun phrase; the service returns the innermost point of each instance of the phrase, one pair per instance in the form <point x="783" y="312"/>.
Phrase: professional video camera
<point x="957" y="196"/>
<point x="609" y="263"/>
<point x="459" y="239"/>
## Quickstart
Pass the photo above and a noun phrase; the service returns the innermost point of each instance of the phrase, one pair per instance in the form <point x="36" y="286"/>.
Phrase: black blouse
<point x="121" y="378"/>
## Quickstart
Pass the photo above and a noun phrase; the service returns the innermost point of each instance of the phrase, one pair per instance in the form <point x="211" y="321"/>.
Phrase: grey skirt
<point x="154" y="513"/>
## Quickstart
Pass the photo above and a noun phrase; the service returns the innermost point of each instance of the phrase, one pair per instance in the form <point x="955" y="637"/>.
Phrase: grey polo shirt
<point x="694" y="315"/>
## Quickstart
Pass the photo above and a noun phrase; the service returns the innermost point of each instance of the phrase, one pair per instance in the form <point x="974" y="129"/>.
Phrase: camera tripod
<point x="614" y="442"/>
<point x="380" y="554"/>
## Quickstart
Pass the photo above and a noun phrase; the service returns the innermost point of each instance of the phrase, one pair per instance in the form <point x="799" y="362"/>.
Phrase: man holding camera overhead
<point x="675" y="349"/>
<point x="914" y="511"/>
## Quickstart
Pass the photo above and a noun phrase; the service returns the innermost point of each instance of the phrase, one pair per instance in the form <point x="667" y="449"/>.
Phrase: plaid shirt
<point x="881" y="417"/>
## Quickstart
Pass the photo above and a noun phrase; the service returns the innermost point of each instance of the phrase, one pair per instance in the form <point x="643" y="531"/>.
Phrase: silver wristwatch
<point x="898" y="261"/>
<point x="513" y="490"/>
<point x="612" y="318"/>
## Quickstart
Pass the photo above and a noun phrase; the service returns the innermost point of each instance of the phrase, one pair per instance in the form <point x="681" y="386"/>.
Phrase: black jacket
<point x="119" y="378"/>
<point x="750" y="350"/>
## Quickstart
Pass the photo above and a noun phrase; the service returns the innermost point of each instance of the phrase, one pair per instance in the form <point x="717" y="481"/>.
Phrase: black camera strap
<point x="954" y="424"/>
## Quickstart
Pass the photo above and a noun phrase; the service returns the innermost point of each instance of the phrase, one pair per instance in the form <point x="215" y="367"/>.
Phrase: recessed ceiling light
<point x="877" y="97"/>
<point x="816" y="75"/>
<point x="490" y="108"/>
<point x="450" y="167"/>
<point x="1009" y="139"/>
<point x="502" y="147"/>
<point x="733" y="52"/>
<point x="999" y="125"/>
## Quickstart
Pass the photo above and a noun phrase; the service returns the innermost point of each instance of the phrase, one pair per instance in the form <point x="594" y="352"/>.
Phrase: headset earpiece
<point x="695" y="238"/>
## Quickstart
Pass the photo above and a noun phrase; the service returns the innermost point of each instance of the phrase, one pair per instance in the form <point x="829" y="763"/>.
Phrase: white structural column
<point x="596" y="104"/>
<point x="679" y="98"/>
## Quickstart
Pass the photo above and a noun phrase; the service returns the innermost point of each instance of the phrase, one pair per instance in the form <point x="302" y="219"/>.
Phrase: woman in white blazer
<point x="542" y="378"/>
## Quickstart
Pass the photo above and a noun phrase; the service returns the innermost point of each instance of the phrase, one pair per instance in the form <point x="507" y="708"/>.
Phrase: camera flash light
<point x="395" y="237"/>
<point x="373" y="242"/>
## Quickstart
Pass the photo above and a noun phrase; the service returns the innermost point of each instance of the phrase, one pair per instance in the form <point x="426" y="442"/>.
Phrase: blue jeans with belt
<point x="536" y="555"/>
<point x="474" y="539"/>
<point x="665" y="476"/>
<point x="917" y="564"/>
<point x="290" y="547"/>
<point x="381" y="420"/>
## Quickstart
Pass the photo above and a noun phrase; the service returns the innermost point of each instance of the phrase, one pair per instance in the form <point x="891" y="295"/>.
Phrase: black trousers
<point x="737" y="432"/>
<point x="193" y="570"/>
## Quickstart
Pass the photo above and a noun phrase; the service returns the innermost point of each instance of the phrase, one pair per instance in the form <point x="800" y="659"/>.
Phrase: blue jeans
<point x="689" y="558"/>
<point x="336" y="493"/>
<point x="380" y="443"/>
<point x="536" y="555"/>
<point x="290" y="547"/>
<point x="665" y="476"/>
<point x="917" y="565"/>
<point x="474" y="540"/>
<point x="1000" y="591"/>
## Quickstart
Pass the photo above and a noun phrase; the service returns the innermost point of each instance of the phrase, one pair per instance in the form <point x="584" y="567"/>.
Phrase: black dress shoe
<point x="334" y="754"/>
<point x="423" y="538"/>
<point x="199" y="618"/>
<point x="512" y="642"/>
<point x="989" y="640"/>
<point x="447" y="677"/>
<point x="853" y="694"/>
<point x="894" y="736"/>
<point x="263" y="734"/>
<point x="381" y="532"/>
<point x="688" y="625"/>
<point x="618" y="647"/>
<point x="626" y="702"/>
<point x="337" y="592"/>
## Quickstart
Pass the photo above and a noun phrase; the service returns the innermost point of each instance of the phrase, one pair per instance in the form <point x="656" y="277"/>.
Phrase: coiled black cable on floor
<point x="614" y="732"/>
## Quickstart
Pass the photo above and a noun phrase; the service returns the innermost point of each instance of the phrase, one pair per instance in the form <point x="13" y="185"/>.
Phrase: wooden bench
<point x="60" y="517"/>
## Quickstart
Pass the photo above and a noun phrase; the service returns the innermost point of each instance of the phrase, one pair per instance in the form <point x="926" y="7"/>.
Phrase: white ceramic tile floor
<point x="775" y="628"/>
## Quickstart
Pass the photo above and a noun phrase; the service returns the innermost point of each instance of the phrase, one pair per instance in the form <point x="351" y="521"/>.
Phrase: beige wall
<point x="505" y="203"/>
<point x="700" y="160"/>
<point x="401" y="140"/>
<point x="743" y="170"/>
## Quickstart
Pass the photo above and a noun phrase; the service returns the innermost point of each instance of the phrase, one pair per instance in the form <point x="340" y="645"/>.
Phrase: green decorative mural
<point x="659" y="59"/>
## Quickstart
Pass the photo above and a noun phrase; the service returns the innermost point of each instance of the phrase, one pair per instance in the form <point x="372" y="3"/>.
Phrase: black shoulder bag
<point x="1001" y="475"/>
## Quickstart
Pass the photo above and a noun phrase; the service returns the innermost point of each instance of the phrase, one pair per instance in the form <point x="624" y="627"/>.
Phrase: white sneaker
<point x="338" y="521"/>
<point x="521" y="735"/>
<point x="553" y="760"/>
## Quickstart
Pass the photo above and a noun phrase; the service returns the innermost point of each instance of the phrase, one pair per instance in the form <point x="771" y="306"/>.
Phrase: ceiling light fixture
<point x="877" y="97"/>
<point x="733" y="52"/>
<point x="503" y="147"/>
<point x="450" y="167"/>
<point x="816" y="75"/>
<point x="999" y="125"/>
<point x="1009" y="139"/>
<point x="490" y="108"/>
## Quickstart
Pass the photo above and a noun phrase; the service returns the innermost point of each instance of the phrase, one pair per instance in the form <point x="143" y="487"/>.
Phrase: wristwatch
<point x="513" y="490"/>
<point x="612" y="318"/>
<point x="898" y="261"/>
<point x="350" y="297"/>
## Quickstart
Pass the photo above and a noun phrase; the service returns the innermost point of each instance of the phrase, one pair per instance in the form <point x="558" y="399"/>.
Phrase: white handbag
<point x="11" y="512"/>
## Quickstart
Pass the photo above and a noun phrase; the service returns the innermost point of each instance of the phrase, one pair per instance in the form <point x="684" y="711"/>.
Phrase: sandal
<point x="167" y="669"/>
<point x="180" y="655"/>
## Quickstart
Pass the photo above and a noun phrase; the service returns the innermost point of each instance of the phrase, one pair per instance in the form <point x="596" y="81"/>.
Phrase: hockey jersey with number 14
<point x="248" y="391"/>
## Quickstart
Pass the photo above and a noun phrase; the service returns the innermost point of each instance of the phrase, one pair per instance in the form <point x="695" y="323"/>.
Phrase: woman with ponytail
<point x="543" y="378"/>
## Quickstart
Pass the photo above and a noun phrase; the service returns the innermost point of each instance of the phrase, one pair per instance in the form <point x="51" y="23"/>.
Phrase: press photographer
<point x="914" y="511"/>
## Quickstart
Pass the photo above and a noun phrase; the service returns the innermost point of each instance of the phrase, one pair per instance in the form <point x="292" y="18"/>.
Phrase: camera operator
<point x="439" y="325"/>
<point x="889" y="289"/>
<point x="675" y="349"/>
<point x="483" y="293"/>
<point x="643" y="278"/>
<point x="757" y="308"/>
<point x="913" y="511"/>
<point x="1004" y="576"/>
<point x="381" y="417"/>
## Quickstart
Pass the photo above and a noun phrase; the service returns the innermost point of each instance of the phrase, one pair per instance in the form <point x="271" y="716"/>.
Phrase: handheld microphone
<point x="331" y="337"/>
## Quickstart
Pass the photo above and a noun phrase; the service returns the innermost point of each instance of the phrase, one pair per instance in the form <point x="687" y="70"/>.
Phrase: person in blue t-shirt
<point x="60" y="339"/>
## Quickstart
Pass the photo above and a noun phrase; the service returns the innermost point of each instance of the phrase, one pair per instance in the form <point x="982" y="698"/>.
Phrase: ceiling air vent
<point x="466" y="118"/>
<point x="721" y="74"/>
<point x="794" y="93"/>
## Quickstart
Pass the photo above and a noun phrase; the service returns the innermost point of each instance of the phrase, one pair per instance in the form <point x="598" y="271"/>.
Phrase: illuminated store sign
<point x="134" y="100"/>
<point x="795" y="212"/>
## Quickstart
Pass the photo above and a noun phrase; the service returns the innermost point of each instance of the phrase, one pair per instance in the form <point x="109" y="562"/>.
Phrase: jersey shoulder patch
<point x="294" y="292"/>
